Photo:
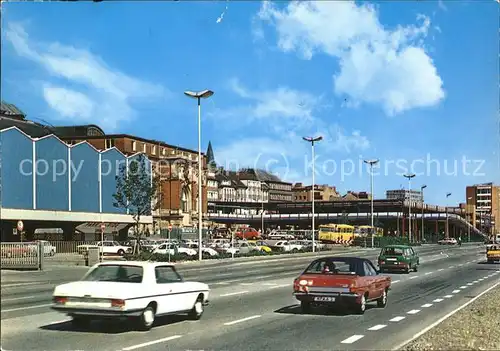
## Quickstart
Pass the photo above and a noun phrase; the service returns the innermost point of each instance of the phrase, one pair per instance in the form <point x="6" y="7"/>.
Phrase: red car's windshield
<point x="328" y="266"/>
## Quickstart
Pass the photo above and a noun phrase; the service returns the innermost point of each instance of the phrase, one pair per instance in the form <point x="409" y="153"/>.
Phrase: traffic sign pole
<point x="103" y="226"/>
<point x="20" y="227"/>
<point x="169" y="243"/>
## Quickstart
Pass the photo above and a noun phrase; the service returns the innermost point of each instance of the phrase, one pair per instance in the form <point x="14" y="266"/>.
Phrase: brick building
<point x="321" y="193"/>
<point x="483" y="206"/>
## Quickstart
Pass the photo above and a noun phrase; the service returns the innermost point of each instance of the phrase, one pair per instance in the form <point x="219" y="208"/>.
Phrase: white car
<point x="165" y="249"/>
<point x="130" y="289"/>
<point x="449" y="241"/>
<point x="288" y="246"/>
<point x="106" y="247"/>
<point x="206" y="251"/>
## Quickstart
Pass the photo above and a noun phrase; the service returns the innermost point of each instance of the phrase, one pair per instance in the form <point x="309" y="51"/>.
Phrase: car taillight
<point x="59" y="299"/>
<point x="117" y="303"/>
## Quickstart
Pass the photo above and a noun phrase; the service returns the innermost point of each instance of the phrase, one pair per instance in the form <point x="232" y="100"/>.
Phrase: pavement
<point x="252" y="308"/>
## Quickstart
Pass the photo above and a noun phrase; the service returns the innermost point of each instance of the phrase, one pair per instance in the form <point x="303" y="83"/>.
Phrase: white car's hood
<point x="99" y="289"/>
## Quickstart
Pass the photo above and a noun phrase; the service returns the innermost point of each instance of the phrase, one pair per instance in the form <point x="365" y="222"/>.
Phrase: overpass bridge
<point x="392" y="213"/>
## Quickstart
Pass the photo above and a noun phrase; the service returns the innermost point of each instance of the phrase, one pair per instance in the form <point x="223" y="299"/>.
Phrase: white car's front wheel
<point x="198" y="309"/>
<point x="147" y="318"/>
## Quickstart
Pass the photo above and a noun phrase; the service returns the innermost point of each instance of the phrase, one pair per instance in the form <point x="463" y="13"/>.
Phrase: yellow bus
<point x="336" y="233"/>
<point x="366" y="230"/>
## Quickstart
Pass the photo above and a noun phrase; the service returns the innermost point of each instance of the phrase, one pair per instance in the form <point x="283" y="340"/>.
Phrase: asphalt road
<point x="252" y="308"/>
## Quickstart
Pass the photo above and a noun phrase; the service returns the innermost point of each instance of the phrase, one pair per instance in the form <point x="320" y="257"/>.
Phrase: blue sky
<point x="414" y="84"/>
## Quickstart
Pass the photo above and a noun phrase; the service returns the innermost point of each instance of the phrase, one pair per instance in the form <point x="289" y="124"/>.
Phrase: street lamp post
<point x="198" y="96"/>
<point x="409" y="176"/>
<point x="447" y="221"/>
<point x="470" y="218"/>
<point x="422" y="204"/>
<point x="371" y="163"/>
<point x="312" y="140"/>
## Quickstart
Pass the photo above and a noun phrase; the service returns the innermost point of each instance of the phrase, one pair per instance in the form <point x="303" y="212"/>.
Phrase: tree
<point x="137" y="191"/>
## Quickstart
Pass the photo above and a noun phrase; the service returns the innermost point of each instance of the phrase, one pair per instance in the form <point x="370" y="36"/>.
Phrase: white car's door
<point x="169" y="290"/>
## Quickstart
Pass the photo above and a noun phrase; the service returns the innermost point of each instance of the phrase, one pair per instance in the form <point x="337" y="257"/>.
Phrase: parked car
<point x="280" y="235"/>
<point x="48" y="248"/>
<point x="248" y="233"/>
<point x="398" y="258"/>
<point x="172" y="249"/>
<point x="107" y="247"/>
<point x="261" y="245"/>
<point x="132" y="289"/>
<point x="287" y="246"/>
<point x="341" y="281"/>
<point x="206" y="251"/>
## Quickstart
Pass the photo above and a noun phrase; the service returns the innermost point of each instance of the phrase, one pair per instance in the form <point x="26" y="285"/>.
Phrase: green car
<point x="398" y="258"/>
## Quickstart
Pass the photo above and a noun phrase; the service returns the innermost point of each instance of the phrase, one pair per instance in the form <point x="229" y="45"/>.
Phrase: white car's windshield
<point x="115" y="273"/>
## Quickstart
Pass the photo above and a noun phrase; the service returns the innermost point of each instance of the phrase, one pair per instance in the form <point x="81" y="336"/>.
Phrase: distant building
<point x="483" y="202"/>
<point x="353" y="196"/>
<point x="321" y="193"/>
<point x="278" y="190"/>
<point x="413" y="195"/>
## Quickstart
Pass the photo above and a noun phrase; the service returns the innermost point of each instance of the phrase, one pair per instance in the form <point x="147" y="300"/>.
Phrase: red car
<point x="341" y="281"/>
<point x="248" y="234"/>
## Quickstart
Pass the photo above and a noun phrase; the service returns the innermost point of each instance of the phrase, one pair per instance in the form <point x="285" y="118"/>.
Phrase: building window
<point x="134" y="146"/>
<point x="153" y="149"/>
<point x="144" y="146"/>
<point x="163" y="151"/>
<point x="109" y="143"/>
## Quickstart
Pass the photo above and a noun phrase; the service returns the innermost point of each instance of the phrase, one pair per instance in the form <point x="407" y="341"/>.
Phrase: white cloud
<point x="377" y="65"/>
<point x="337" y="139"/>
<point x="69" y="102"/>
<point x="107" y="91"/>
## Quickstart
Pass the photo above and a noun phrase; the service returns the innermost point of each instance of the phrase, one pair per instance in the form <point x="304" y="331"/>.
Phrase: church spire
<point x="210" y="154"/>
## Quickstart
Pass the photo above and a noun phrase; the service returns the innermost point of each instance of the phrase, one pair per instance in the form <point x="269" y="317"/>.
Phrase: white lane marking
<point x="475" y="282"/>
<point x="428" y="273"/>
<point x="19" y="298"/>
<point x="439" y="321"/>
<point x="448" y="296"/>
<point x="243" y="320"/>
<point x="461" y="264"/>
<point x="450" y="267"/>
<point x="279" y="286"/>
<point x="378" y="327"/>
<point x="151" y="343"/>
<point x="469" y="284"/>
<point x="415" y="276"/>
<point x="27" y="308"/>
<point x="440" y="269"/>
<point x="427" y="305"/>
<point x="236" y="293"/>
<point x="463" y="287"/>
<point x="269" y="284"/>
<point x="397" y="319"/>
<point x="413" y="311"/>
<point x="396" y="281"/>
<point x="455" y="291"/>
<point x="437" y="300"/>
<point x="352" y="339"/>
<point x="246" y="284"/>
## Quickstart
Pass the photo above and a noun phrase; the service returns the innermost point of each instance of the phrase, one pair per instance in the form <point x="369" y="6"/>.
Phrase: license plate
<point x="391" y="259"/>
<point x="324" y="299"/>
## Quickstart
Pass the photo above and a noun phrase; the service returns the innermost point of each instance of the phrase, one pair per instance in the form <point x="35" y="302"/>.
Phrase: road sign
<point x="20" y="226"/>
<point x="170" y="227"/>
<point x="103" y="226"/>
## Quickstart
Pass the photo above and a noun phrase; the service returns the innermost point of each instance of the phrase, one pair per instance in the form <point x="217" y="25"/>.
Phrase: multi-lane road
<point x="252" y="308"/>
